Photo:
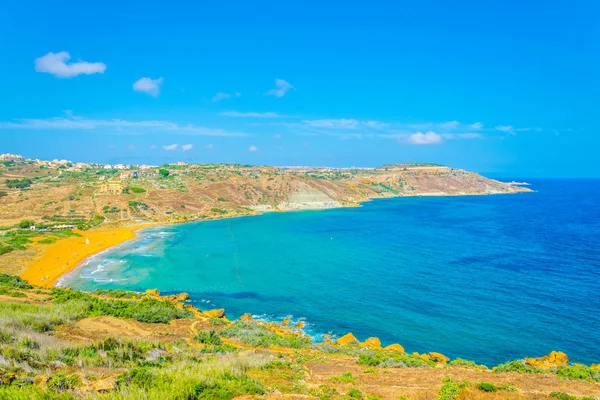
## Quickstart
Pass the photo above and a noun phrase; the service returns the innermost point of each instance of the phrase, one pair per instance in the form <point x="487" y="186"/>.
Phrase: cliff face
<point x="212" y="191"/>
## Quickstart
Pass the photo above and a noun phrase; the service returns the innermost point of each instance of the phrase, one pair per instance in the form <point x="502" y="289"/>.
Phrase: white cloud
<point x="56" y="64"/>
<point x="237" y="114"/>
<point x="210" y="146"/>
<point x="277" y="136"/>
<point x="252" y="148"/>
<point x="148" y="86"/>
<point x="115" y="125"/>
<point x="477" y="126"/>
<point x="281" y="88"/>
<point x="171" y="147"/>
<point x="424" y="138"/>
<point x="506" y="128"/>
<point x="153" y="147"/>
<point x="131" y="147"/>
<point x="187" y="147"/>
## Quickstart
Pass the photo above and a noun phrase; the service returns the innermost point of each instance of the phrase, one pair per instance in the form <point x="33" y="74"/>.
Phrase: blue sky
<point x="504" y="88"/>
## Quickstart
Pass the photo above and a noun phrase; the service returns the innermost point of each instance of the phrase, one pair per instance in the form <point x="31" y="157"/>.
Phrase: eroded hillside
<point x="69" y="195"/>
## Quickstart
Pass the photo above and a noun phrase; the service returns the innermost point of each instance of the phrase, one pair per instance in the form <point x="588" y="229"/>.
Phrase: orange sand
<point x="66" y="254"/>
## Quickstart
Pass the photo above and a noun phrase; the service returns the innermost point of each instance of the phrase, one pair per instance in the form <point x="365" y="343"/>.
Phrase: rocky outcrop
<point x="246" y="317"/>
<point x="395" y="347"/>
<point x="216" y="313"/>
<point x="438" y="357"/>
<point x="347" y="339"/>
<point x="372" y="343"/>
<point x="554" y="359"/>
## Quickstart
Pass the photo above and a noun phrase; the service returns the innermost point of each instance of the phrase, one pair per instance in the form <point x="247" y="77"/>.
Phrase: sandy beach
<point x="66" y="254"/>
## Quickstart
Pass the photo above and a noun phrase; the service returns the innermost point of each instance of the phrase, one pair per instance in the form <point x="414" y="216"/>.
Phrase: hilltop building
<point x="11" y="157"/>
<point x="111" y="187"/>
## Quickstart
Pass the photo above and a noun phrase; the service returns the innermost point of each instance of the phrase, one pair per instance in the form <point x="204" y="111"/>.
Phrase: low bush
<point x="208" y="337"/>
<point x="346" y="377"/>
<point x="136" y="189"/>
<point x="487" y="387"/>
<point x="451" y="389"/>
<point x="14" y="282"/>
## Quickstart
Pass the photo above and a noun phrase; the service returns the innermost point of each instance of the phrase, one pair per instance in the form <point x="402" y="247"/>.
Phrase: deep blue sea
<point x="487" y="278"/>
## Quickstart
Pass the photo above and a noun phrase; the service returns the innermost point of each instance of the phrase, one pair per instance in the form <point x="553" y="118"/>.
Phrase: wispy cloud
<point x="187" y="147"/>
<point x="280" y="89"/>
<point x="148" y="86"/>
<point x="343" y="123"/>
<point x="506" y="128"/>
<point x="222" y="96"/>
<point x="413" y="133"/>
<point x="237" y="114"/>
<point x="424" y="138"/>
<point x="171" y="147"/>
<point x="57" y="65"/>
<point x="252" y="148"/>
<point x="120" y="126"/>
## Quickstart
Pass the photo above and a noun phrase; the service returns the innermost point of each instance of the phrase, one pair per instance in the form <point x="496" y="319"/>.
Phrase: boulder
<point x="286" y="321"/>
<point x="182" y="296"/>
<point x="153" y="293"/>
<point x="372" y="343"/>
<point x="438" y="357"/>
<point x="595" y="366"/>
<point x="395" y="347"/>
<point x="216" y="313"/>
<point x="424" y="357"/>
<point x="104" y="385"/>
<point x="246" y="317"/>
<point x="348" y="338"/>
<point x="300" y="324"/>
<point x="554" y="359"/>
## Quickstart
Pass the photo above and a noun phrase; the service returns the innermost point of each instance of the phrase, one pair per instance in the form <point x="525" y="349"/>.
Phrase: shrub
<point x="3" y="194"/>
<point x="451" y="389"/>
<point x="579" y="371"/>
<point x="354" y="394"/>
<point x="463" y="363"/>
<point x="136" y="189"/>
<point x="14" y="282"/>
<point x="18" y="183"/>
<point x="163" y="172"/>
<point x="26" y="223"/>
<point x="346" y="377"/>
<point x="208" y="337"/>
<point x="566" y="396"/>
<point x="49" y="240"/>
<point x="518" y="366"/>
<point x="487" y="387"/>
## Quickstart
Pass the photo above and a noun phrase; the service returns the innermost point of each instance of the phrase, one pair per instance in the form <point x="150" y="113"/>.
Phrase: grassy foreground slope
<point x="64" y="344"/>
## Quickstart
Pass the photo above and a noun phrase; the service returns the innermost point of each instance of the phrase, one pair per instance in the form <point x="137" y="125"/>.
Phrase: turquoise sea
<point x="487" y="278"/>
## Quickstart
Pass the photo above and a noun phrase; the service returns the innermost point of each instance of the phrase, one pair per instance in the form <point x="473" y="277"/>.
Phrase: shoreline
<point x="56" y="262"/>
<point x="68" y="254"/>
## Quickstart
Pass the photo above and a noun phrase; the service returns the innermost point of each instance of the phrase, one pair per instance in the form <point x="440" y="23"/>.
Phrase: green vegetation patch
<point x="374" y="358"/>
<point x="135" y="189"/>
<point x="576" y="371"/>
<point x="258" y="335"/>
<point x="18" y="183"/>
<point x="146" y="310"/>
<point x="451" y="389"/>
